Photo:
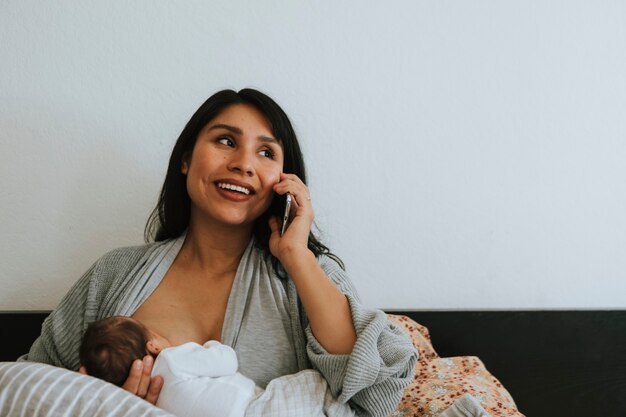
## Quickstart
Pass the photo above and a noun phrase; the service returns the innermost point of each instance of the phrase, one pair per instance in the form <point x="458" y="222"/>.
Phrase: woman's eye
<point x="267" y="153"/>
<point x="224" y="140"/>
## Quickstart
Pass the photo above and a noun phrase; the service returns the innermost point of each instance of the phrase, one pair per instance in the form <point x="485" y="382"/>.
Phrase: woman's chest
<point x="186" y="308"/>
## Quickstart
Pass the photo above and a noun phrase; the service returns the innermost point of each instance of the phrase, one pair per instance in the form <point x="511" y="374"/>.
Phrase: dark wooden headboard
<point x="554" y="363"/>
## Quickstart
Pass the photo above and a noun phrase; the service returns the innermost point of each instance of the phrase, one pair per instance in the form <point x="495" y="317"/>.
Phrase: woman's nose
<point x="241" y="161"/>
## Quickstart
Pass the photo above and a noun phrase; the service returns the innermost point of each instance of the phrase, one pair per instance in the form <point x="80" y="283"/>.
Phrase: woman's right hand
<point x="139" y="381"/>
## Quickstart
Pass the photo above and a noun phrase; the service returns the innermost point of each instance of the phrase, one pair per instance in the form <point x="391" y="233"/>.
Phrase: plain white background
<point x="460" y="154"/>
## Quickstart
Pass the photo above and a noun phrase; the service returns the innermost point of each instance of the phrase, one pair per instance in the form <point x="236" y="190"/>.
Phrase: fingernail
<point x="138" y="364"/>
<point x="148" y="360"/>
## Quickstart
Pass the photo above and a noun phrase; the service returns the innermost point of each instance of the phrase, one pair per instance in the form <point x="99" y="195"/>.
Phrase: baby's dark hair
<point x="111" y="345"/>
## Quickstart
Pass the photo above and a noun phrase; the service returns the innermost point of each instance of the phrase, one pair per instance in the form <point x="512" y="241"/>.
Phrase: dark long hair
<point x="170" y="217"/>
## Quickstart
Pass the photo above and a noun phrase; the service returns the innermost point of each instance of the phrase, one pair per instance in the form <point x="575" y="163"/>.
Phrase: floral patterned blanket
<point x="439" y="382"/>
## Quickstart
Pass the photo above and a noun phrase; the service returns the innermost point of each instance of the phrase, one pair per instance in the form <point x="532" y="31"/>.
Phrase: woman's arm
<point x="325" y="305"/>
<point x="62" y="331"/>
<point x="365" y="359"/>
<point x="327" y="308"/>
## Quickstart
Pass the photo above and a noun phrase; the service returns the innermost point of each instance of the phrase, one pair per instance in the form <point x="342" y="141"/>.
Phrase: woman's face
<point x="233" y="167"/>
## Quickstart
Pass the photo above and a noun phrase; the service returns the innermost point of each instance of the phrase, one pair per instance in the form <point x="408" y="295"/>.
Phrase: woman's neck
<point x="217" y="249"/>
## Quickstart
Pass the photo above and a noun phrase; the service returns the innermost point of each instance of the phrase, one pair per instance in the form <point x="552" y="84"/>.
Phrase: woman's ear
<point x="184" y="166"/>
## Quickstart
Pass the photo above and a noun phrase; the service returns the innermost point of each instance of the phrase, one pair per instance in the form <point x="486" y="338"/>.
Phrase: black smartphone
<point x="286" y="213"/>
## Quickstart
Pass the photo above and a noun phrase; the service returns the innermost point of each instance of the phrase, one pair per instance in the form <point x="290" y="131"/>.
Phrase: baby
<point x="198" y="380"/>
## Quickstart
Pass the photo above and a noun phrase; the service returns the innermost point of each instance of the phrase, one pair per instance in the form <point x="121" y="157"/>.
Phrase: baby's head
<point x="111" y="345"/>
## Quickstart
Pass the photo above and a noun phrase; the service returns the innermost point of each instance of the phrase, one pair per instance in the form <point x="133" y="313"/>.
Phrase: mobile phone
<point x="285" y="222"/>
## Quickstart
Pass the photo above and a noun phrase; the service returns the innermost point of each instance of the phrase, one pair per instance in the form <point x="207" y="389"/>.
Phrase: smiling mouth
<point x="235" y="188"/>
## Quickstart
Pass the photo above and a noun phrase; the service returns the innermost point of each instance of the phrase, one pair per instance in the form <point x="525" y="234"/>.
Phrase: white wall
<point x="461" y="154"/>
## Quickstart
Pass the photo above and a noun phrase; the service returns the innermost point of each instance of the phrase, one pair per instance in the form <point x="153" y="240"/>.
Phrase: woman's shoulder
<point x="129" y="251"/>
<point x="126" y="256"/>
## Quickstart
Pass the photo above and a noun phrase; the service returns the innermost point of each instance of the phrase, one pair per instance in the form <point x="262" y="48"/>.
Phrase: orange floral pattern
<point x="441" y="381"/>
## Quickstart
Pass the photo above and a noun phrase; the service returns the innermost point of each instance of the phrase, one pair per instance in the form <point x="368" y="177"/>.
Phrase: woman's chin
<point x="235" y="222"/>
<point x="227" y="218"/>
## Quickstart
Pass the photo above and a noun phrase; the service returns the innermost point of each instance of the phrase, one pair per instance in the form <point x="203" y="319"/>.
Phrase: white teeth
<point x="232" y="187"/>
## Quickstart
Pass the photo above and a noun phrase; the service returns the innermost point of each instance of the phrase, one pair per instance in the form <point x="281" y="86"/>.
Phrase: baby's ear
<point x="153" y="347"/>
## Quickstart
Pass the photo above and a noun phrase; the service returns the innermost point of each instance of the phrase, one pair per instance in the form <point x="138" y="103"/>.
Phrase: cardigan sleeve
<point x="373" y="377"/>
<point x="62" y="330"/>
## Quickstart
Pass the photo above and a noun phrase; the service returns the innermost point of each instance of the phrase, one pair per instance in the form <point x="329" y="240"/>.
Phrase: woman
<point x="219" y="269"/>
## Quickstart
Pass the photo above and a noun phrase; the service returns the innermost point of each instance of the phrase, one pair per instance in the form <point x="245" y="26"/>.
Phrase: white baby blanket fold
<point x="202" y="381"/>
<point x="305" y="393"/>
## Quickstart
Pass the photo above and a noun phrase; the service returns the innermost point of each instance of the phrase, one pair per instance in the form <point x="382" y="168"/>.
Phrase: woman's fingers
<point x="146" y="376"/>
<point x="302" y="197"/>
<point x="134" y="377"/>
<point x="273" y="222"/>
<point x="290" y="183"/>
<point x="154" y="390"/>
<point x="140" y="381"/>
<point x="299" y="228"/>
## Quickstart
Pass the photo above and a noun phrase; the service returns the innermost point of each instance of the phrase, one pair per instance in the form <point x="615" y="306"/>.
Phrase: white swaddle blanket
<point x="202" y="381"/>
<point x="305" y="393"/>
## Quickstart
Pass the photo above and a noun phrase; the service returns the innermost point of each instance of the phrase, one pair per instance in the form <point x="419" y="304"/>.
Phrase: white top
<point x="202" y="381"/>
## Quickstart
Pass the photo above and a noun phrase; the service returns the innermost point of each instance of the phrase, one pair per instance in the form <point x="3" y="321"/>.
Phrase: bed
<point x="552" y="363"/>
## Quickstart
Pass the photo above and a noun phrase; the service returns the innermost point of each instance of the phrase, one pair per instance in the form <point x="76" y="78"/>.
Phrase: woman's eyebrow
<point x="238" y="131"/>
<point x="230" y="128"/>
<point x="269" y="139"/>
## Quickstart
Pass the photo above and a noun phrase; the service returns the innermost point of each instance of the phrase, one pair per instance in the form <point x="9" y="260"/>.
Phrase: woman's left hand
<point x="296" y="236"/>
<point x="139" y="381"/>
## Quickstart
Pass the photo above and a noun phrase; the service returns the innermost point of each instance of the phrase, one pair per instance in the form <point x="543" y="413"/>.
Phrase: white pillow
<point x="32" y="389"/>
